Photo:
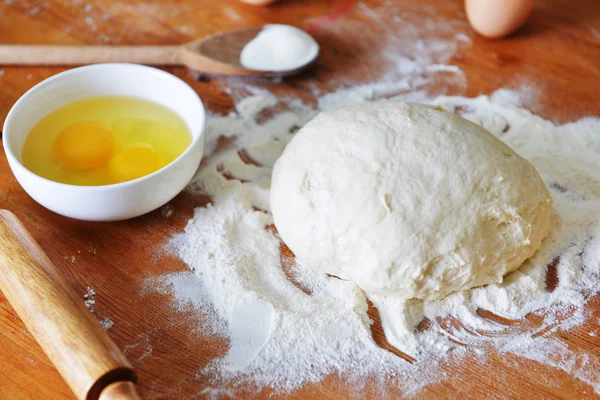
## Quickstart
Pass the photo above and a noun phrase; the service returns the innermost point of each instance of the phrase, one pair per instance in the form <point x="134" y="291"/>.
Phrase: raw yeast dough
<point x="407" y="200"/>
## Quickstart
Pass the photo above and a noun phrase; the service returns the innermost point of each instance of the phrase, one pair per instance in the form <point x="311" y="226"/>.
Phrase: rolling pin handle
<point x="91" y="364"/>
<point x="120" y="391"/>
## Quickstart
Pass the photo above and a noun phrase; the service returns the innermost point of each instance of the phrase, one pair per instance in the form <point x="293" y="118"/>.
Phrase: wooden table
<point x="557" y="54"/>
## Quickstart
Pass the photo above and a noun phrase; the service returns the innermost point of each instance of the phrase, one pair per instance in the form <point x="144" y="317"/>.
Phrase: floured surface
<point x="358" y="47"/>
<point x="289" y="326"/>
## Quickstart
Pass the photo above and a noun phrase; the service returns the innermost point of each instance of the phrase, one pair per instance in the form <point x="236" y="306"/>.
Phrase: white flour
<point x="279" y="48"/>
<point x="289" y="326"/>
<point x="283" y="337"/>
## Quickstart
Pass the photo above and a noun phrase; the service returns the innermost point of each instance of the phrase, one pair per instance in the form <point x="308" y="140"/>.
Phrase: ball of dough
<point x="407" y="200"/>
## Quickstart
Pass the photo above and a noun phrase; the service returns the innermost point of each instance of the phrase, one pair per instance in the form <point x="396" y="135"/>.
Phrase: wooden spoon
<point x="91" y="364"/>
<point x="258" y="2"/>
<point x="216" y="54"/>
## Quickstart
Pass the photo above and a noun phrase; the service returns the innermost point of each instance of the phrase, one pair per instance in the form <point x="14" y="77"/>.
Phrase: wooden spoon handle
<point x="67" y="332"/>
<point x="79" y="55"/>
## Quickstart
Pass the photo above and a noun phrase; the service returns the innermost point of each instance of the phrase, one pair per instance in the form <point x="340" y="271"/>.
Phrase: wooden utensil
<point x="91" y="364"/>
<point x="216" y="54"/>
<point x="258" y="2"/>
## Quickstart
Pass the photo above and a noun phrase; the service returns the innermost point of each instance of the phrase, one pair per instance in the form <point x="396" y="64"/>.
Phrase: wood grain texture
<point x="215" y="54"/>
<point x="556" y="54"/>
<point x="40" y="55"/>
<point x="78" y="347"/>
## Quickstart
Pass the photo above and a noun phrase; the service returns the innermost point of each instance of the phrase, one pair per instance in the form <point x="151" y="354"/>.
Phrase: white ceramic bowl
<point x="111" y="202"/>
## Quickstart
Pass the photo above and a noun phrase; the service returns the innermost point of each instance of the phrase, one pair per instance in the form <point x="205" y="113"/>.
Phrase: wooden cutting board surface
<point x="556" y="55"/>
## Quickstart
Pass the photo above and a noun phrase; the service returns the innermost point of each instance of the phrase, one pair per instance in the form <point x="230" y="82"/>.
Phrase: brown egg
<point x="258" y="2"/>
<point x="497" y="18"/>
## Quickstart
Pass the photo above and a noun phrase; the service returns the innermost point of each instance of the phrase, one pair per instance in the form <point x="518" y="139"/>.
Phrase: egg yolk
<point x="135" y="161"/>
<point x="84" y="146"/>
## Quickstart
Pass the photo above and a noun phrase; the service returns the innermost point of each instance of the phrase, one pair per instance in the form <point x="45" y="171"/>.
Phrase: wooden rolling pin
<point x="91" y="364"/>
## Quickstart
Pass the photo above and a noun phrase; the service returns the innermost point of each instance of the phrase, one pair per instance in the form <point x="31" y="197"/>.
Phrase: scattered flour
<point x="289" y="326"/>
<point x="166" y="211"/>
<point x="139" y="350"/>
<point x="33" y="11"/>
<point x="89" y="298"/>
<point x="286" y="330"/>
<point x="567" y="158"/>
<point x="106" y="323"/>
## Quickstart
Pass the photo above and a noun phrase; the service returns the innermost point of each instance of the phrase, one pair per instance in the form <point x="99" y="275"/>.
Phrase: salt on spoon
<point x="279" y="48"/>
<point x="271" y="49"/>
